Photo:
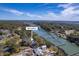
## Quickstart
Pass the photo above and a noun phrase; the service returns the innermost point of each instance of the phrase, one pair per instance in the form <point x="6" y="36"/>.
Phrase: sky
<point x="39" y="11"/>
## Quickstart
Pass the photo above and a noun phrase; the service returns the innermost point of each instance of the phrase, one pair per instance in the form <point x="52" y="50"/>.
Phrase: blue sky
<point x="39" y="11"/>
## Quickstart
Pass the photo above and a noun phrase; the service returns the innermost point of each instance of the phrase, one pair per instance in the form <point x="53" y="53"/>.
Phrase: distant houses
<point x="5" y="33"/>
<point x="68" y="32"/>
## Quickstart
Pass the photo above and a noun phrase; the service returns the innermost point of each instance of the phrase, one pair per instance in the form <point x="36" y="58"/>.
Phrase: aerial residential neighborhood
<point x="39" y="29"/>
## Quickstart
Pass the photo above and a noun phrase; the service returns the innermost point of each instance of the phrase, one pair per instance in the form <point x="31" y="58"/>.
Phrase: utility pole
<point x="31" y="35"/>
<point x="31" y="29"/>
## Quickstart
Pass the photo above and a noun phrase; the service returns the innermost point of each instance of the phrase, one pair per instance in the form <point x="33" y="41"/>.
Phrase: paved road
<point x="68" y="47"/>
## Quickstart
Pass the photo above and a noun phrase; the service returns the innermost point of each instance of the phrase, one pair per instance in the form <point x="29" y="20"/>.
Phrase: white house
<point x="68" y="32"/>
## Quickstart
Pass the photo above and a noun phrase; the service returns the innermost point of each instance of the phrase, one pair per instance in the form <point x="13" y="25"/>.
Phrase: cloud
<point x="68" y="14"/>
<point x="68" y="11"/>
<point x="65" y="5"/>
<point x="33" y="15"/>
<point x="42" y="5"/>
<point x="13" y="11"/>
